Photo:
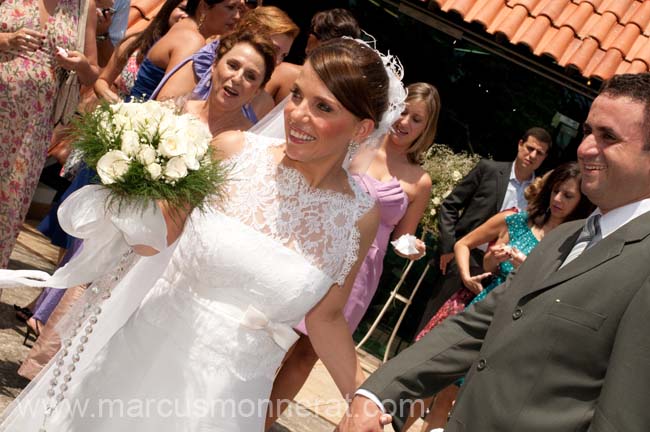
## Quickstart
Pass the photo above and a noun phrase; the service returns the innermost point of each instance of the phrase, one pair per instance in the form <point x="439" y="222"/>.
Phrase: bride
<point x="201" y="349"/>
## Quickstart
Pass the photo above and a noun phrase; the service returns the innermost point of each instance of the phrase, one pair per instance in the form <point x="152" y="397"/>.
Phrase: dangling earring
<point x="201" y="21"/>
<point x="352" y="148"/>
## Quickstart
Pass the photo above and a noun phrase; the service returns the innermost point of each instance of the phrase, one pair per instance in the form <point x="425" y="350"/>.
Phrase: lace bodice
<point x="277" y="201"/>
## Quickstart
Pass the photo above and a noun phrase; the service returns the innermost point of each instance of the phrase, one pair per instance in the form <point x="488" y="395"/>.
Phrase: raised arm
<point x="179" y="44"/>
<point x="84" y="64"/>
<point x="493" y="228"/>
<point x="328" y="330"/>
<point x="103" y="85"/>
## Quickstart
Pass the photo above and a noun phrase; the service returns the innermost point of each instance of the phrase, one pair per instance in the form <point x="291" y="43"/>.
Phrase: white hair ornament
<point x="396" y="92"/>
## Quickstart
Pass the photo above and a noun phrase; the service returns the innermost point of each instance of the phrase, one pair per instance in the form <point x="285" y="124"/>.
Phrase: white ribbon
<point x="84" y="214"/>
<point x="282" y="333"/>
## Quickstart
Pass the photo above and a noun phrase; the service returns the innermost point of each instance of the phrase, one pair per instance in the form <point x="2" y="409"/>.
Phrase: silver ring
<point x="28" y="37"/>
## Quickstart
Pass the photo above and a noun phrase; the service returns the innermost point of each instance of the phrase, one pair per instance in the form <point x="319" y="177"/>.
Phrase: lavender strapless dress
<point x="393" y="202"/>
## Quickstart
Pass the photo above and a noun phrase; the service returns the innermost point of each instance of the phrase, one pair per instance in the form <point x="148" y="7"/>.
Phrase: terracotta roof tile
<point x="578" y="18"/>
<point x="641" y="17"/>
<point x="637" y="66"/>
<point x="617" y="7"/>
<point x="627" y="38"/>
<point x="608" y="65"/>
<point x="484" y="12"/>
<point x="641" y="51"/>
<point x="553" y="9"/>
<point x="532" y="31"/>
<point x="559" y="44"/>
<point x="611" y="37"/>
<point x="460" y="6"/>
<point x="581" y="57"/>
<point x="513" y="19"/>
<point x="597" y="37"/>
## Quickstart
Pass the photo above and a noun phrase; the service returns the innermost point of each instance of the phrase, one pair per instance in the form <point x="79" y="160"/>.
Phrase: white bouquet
<point x="148" y="151"/>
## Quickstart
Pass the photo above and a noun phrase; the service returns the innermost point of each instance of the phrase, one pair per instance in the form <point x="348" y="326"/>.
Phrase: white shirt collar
<point x="614" y="219"/>
<point x="514" y="177"/>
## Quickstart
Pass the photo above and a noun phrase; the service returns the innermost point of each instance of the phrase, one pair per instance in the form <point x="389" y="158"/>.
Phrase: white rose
<point x="130" y="142"/>
<point x="191" y="161"/>
<point x="175" y="168"/>
<point x="146" y="155"/>
<point x="104" y="121"/>
<point x="456" y="175"/>
<point x="121" y="121"/>
<point x="436" y="201"/>
<point x="201" y="138"/>
<point x="129" y="110"/>
<point x="154" y="170"/>
<point x="112" y="166"/>
<point x="116" y="107"/>
<point x="432" y="212"/>
<point x="172" y="145"/>
<point x="150" y="126"/>
<point x="168" y="127"/>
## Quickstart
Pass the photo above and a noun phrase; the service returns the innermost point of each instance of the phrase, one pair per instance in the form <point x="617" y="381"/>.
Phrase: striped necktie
<point x="589" y="236"/>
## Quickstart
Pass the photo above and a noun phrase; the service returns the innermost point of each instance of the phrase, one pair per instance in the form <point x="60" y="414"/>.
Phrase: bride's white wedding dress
<point x="201" y="350"/>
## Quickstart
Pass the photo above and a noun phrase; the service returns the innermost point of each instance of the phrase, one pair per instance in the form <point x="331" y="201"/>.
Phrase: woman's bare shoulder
<point x="228" y="144"/>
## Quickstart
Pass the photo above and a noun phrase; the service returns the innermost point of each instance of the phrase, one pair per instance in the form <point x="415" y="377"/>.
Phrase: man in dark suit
<point x="488" y="189"/>
<point x="563" y="344"/>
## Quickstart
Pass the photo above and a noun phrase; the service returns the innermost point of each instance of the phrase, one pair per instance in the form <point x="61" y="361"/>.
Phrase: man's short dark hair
<point x="635" y="87"/>
<point x="540" y="134"/>
<point x="334" y="23"/>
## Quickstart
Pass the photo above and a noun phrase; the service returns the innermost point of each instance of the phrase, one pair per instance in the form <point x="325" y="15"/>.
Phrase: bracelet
<point x="102" y="37"/>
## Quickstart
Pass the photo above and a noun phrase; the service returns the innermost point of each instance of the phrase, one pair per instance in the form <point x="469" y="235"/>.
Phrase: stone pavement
<point x="317" y="408"/>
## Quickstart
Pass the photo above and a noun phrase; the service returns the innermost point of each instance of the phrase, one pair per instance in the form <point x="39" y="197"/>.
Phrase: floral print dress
<point x="28" y="85"/>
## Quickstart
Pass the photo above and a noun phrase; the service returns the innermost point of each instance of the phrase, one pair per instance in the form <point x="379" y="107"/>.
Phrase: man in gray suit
<point x="487" y="189"/>
<point x="563" y="345"/>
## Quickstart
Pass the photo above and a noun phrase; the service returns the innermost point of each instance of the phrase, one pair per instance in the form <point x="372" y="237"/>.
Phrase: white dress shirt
<point x="614" y="219"/>
<point x="515" y="192"/>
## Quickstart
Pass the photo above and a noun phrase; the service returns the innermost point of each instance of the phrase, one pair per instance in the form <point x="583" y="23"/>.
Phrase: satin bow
<point x="282" y="333"/>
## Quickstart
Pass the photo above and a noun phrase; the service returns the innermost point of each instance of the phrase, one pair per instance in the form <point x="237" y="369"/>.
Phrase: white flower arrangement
<point x="446" y="168"/>
<point x="148" y="151"/>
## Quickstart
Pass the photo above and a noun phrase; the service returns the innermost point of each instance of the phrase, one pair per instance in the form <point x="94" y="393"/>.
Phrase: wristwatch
<point x="102" y="37"/>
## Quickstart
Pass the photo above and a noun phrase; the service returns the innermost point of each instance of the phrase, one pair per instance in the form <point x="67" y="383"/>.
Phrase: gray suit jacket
<point x="475" y="199"/>
<point x="549" y="350"/>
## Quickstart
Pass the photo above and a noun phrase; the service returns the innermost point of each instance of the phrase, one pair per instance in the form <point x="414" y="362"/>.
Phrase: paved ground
<point x="317" y="408"/>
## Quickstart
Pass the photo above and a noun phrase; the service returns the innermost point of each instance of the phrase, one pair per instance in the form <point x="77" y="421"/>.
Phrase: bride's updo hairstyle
<point x="355" y="74"/>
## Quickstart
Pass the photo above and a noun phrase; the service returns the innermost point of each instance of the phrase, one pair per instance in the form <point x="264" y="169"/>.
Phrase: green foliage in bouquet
<point x="144" y="152"/>
<point x="446" y="168"/>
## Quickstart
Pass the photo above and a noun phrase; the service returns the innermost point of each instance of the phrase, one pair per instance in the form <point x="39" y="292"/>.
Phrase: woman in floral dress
<point x="31" y="63"/>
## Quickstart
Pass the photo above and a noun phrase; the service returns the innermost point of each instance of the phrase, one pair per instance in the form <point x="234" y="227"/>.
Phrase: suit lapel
<point x="603" y="251"/>
<point x="502" y="184"/>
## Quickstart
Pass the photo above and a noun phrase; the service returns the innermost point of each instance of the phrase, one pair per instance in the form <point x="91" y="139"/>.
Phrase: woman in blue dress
<point x="553" y="199"/>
